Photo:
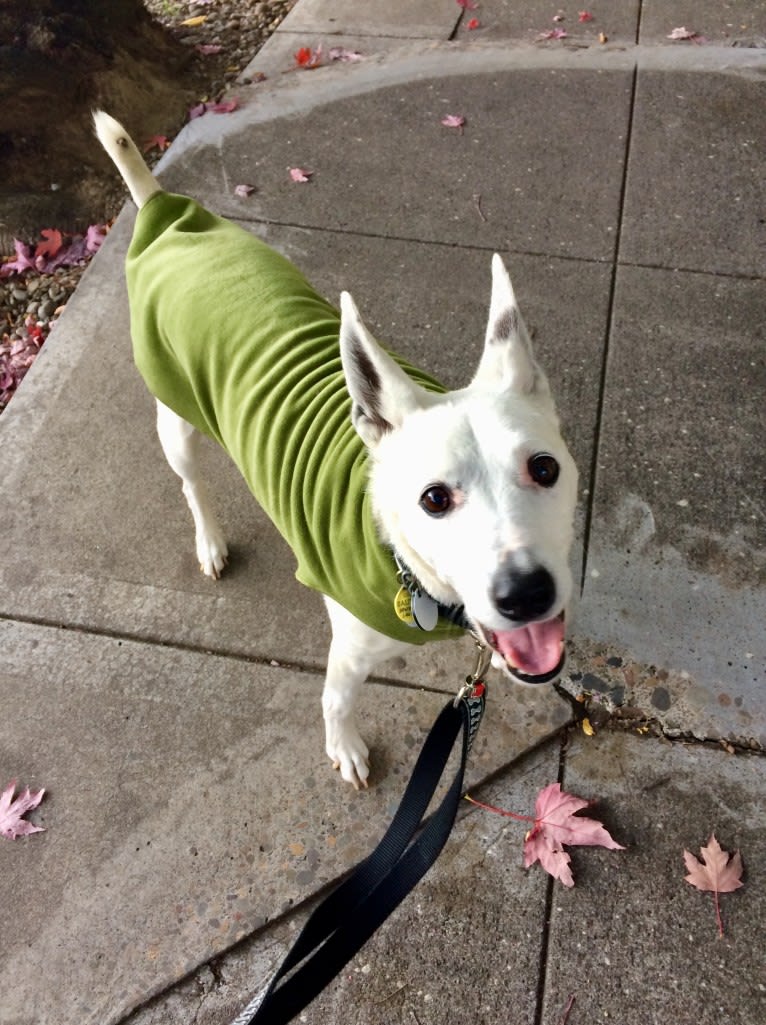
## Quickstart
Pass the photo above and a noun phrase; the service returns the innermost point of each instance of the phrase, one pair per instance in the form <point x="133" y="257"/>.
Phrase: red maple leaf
<point x="11" y="822"/>
<point x="305" y="57"/>
<point x="51" y="245"/>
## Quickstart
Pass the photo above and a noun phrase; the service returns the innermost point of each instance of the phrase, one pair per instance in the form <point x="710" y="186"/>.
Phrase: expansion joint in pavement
<point x="593" y="472"/>
<point x="542" y="973"/>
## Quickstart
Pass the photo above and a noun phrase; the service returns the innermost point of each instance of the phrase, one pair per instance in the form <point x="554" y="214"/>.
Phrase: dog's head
<point x="474" y="489"/>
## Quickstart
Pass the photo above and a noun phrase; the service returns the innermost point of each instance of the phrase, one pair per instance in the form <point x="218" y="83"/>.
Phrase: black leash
<point x="346" y="919"/>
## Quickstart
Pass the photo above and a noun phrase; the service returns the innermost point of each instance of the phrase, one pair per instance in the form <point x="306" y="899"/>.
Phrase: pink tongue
<point x="533" y="649"/>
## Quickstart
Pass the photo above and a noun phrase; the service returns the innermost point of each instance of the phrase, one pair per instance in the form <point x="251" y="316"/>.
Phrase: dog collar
<point x="414" y="606"/>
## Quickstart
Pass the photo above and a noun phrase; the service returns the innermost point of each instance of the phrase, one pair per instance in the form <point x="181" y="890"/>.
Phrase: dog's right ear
<point x="507" y="362"/>
<point x="381" y="392"/>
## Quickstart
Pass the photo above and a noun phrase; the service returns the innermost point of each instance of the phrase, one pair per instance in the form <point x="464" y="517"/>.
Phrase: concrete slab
<point x="181" y="813"/>
<point x="676" y="565"/>
<point x="632" y="941"/>
<point x="495" y="183"/>
<point x="463" y="948"/>
<point x="719" y="22"/>
<point x="428" y="19"/>
<point x="528" y="20"/>
<point x="696" y="159"/>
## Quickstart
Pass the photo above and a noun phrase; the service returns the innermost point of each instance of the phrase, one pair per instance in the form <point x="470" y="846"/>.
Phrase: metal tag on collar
<point x="425" y="610"/>
<point x="403" y="606"/>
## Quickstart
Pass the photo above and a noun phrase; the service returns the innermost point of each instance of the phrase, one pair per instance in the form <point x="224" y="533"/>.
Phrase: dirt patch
<point x="57" y="69"/>
<point x="53" y="173"/>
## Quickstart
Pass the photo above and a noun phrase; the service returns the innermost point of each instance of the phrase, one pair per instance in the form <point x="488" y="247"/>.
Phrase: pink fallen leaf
<point x="584" y="16"/>
<point x="224" y="107"/>
<point x="554" y="33"/>
<point x="12" y="824"/>
<point x="340" y="53"/>
<point x="453" y="121"/>
<point x="298" y="174"/>
<point x="244" y="190"/>
<point x="55" y="251"/>
<point x="160" y="142"/>
<point x="718" y="872"/>
<point x="24" y="260"/>
<point x="467" y="5"/>
<point x="17" y="356"/>
<point x="472" y="24"/>
<point x="94" y="236"/>
<point x="556" y="824"/>
<point x="208" y="49"/>
<point x="686" y="34"/>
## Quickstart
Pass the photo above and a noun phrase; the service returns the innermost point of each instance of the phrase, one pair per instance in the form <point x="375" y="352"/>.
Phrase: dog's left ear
<point x="381" y="392"/>
<point x="507" y="361"/>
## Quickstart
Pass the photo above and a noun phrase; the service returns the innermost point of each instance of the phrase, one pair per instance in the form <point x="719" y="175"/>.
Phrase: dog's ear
<point x="381" y="393"/>
<point x="507" y="361"/>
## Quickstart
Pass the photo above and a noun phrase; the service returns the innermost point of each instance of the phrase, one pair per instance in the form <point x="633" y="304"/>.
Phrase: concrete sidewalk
<point x="187" y="832"/>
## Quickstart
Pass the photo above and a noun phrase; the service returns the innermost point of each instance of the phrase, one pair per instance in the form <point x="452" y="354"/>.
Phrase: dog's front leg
<point x="355" y="650"/>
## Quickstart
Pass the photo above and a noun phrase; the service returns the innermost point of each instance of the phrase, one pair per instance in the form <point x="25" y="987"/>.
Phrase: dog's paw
<point x="212" y="554"/>
<point x="349" y="753"/>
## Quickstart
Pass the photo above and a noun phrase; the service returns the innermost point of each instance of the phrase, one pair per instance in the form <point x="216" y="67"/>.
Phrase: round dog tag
<point x="403" y="606"/>
<point x="425" y="611"/>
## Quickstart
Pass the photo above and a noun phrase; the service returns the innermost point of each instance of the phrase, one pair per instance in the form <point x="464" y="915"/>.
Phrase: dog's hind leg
<point x="180" y="443"/>
<point x="355" y="650"/>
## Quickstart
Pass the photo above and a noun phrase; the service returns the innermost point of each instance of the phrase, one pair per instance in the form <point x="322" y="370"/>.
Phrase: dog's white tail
<point x="124" y="152"/>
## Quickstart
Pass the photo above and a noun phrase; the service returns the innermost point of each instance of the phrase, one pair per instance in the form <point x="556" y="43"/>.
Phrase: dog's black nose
<point x="523" y="597"/>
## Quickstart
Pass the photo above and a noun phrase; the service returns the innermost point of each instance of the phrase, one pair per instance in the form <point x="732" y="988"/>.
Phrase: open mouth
<point x="533" y="653"/>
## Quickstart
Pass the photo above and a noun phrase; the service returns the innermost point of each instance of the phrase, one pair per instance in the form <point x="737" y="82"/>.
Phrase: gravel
<point x="30" y="302"/>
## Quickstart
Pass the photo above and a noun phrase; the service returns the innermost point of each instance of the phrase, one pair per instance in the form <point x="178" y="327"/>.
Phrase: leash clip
<point x="474" y="683"/>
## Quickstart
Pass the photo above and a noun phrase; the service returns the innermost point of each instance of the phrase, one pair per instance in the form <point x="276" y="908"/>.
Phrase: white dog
<point x="457" y="507"/>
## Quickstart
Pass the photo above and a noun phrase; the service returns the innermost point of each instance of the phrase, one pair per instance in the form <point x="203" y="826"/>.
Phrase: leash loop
<point x="338" y="928"/>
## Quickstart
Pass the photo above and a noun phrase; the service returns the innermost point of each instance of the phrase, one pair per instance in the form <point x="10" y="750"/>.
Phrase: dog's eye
<point x="543" y="469"/>
<point x="436" y="500"/>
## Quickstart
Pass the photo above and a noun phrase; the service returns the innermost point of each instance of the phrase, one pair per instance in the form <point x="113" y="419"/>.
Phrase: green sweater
<point x="228" y="334"/>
